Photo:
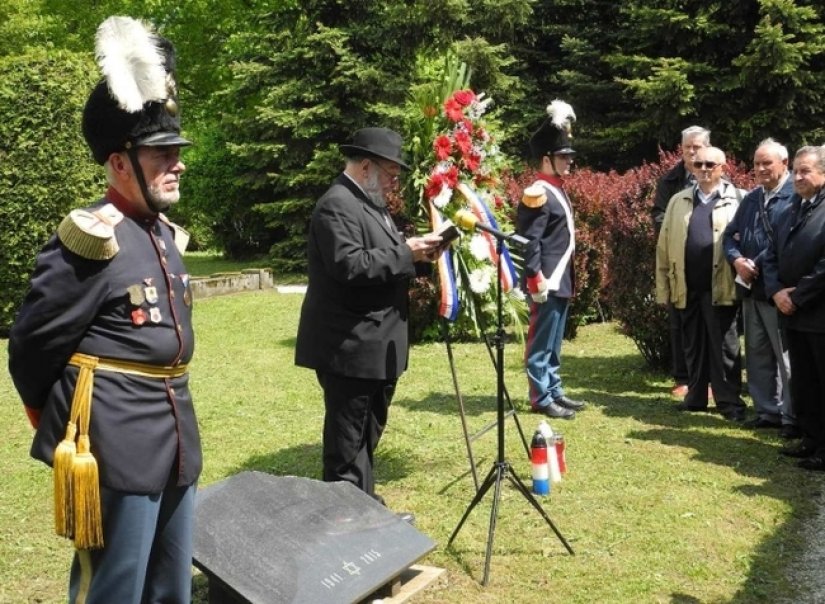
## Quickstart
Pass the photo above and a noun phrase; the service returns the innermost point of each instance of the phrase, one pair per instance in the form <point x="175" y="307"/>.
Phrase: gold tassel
<point x="88" y="523"/>
<point x="62" y="468"/>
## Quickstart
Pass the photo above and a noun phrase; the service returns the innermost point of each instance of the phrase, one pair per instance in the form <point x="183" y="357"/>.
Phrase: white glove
<point x="539" y="297"/>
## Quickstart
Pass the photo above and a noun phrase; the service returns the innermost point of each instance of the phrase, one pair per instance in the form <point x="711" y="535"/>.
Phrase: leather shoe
<point x="815" y="463"/>
<point x="760" y="422"/>
<point x="737" y="417"/>
<point x="685" y="407"/>
<point x="801" y="450"/>
<point x="554" y="410"/>
<point x="789" y="431"/>
<point x="569" y="403"/>
<point x="407" y="517"/>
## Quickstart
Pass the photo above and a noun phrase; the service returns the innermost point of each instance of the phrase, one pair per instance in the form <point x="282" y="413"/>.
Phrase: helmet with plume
<point x="554" y="135"/>
<point x="136" y="102"/>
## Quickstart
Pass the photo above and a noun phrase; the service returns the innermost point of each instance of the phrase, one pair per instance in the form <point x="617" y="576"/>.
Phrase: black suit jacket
<point x="354" y="316"/>
<point x="798" y="260"/>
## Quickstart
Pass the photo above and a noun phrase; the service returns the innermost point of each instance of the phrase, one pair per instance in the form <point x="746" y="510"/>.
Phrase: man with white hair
<point x="746" y="240"/>
<point x="692" y="275"/>
<point x="677" y="179"/>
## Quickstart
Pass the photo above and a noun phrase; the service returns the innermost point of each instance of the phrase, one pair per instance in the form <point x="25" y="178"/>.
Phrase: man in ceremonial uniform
<point x="100" y="346"/>
<point x="545" y="217"/>
<point x="353" y="326"/>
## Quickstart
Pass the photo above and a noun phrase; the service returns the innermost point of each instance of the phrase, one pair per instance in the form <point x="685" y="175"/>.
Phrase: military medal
<point x="187" y="293"/>
<point x="135" y="295"/>
<point x="154" y="314"/>
<point x="151" y="294"/>
<point x="138" y="317"/>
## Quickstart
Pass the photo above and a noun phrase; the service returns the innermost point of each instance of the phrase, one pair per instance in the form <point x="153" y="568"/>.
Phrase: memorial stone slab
<point x="285" y="539"/>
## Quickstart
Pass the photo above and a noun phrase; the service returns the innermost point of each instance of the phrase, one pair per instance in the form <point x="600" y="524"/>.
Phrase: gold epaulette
<point x="534" y="196"/>
<point x="91" y="235"/>
<point x="181" y="234"/>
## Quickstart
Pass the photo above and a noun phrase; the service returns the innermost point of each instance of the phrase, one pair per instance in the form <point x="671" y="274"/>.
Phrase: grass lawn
<point x="659" y="506"/>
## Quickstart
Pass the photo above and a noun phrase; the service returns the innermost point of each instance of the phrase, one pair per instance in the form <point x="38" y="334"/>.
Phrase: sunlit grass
<point x="659" y="506"/>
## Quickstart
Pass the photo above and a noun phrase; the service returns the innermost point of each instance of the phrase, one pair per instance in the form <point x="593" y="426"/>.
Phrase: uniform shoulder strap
<point x="181" y="235"/>
<point x="91" y="234"/>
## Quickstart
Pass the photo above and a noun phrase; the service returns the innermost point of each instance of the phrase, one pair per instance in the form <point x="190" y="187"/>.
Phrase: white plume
<point x="129" y="57"/>
<point x="561" y="113"/>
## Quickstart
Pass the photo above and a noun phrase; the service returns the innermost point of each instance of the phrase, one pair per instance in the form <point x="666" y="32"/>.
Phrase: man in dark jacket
<point x="545" y="217"/>
<point x="746" y="240"/>
<point x="677" y="179"/>
<point x="100" y="346"/>
<point x="795" y="279"/>
<point x="353" y="326"/>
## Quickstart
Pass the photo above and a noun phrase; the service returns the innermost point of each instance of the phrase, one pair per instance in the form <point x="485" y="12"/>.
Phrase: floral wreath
<point x="466" y="161"/>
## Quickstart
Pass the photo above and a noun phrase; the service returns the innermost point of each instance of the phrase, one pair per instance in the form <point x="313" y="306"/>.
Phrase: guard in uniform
<point x="545" y="217"/>
<point x="99" y="349"/>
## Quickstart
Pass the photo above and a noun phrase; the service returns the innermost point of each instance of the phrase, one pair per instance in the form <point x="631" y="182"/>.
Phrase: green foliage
<point x="638" y="72"/>
<point x="45" y="167"/>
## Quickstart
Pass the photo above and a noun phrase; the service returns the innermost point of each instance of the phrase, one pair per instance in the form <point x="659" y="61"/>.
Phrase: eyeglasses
<point x="392" y="177"/>
<point x="707" y="165"/>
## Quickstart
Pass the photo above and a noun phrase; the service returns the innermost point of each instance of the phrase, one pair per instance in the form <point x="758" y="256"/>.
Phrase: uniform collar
<point x="554" y="180"/>
<point x="128" y="208"/>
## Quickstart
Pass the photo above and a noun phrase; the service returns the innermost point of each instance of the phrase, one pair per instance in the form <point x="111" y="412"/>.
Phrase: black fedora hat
<point x="375" y="142"/>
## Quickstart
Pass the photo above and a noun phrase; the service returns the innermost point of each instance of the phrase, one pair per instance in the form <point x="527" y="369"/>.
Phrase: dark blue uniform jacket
<point x="143" y="430"/>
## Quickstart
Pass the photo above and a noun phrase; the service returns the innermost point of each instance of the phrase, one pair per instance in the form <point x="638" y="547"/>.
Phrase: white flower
<point x="517" y="293"/>
<point x="479" y="247"/>
<point x="443" y="167"/>
<point x="479" y="106"/>
<point x="480" y="280"/>
<point x="444" y="196"/>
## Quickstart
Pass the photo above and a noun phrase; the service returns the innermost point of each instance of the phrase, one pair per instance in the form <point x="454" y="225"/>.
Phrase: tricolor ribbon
<point x="448" y="305"/>
<point x="509" y="278"/>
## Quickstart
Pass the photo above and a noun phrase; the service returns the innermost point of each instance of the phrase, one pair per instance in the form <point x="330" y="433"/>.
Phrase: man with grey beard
<point x="353" y="326"/>
<point x="100" y="346"/>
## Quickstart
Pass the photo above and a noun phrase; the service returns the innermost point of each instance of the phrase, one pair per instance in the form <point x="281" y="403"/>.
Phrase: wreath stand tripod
<point x="501" y="467"/>
<point x="511" y="412"/>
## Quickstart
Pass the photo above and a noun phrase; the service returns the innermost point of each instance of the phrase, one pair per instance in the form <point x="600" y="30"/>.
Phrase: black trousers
<point x="356" y="415"/>
<point x="712" y="353"/>
<point x="807" y="353"/>
<point x="679" y="369"/>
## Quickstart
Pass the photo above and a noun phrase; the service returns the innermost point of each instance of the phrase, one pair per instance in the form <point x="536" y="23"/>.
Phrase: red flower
<point x="463" y="141"/>
<point x="442" y="147"/>
<point x="453" y="110"/>
<point x="472" y="161"/>
<point x="464" y="97"/>
<point x="434" y="185"/>
<point x="451" y="177"/>
<point x="429" y="111"/>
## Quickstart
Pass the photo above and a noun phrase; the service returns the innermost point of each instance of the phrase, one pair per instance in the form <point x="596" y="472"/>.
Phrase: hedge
<point x="45" y="167"/>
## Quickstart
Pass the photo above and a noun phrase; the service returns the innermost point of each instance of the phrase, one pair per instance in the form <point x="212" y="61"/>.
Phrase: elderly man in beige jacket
<point x="693" y="275"/>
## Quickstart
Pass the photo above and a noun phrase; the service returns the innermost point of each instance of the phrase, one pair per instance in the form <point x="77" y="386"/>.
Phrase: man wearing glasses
<point x="677" y="179"/>
<point x="693" y="275"/>
<point x="353" y="326"/>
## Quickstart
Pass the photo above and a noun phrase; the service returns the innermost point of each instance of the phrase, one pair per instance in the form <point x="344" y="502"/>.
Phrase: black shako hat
<point x="136" y="103"/>
<point x="554" y="135"/>
<point x="375" y="142"/>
